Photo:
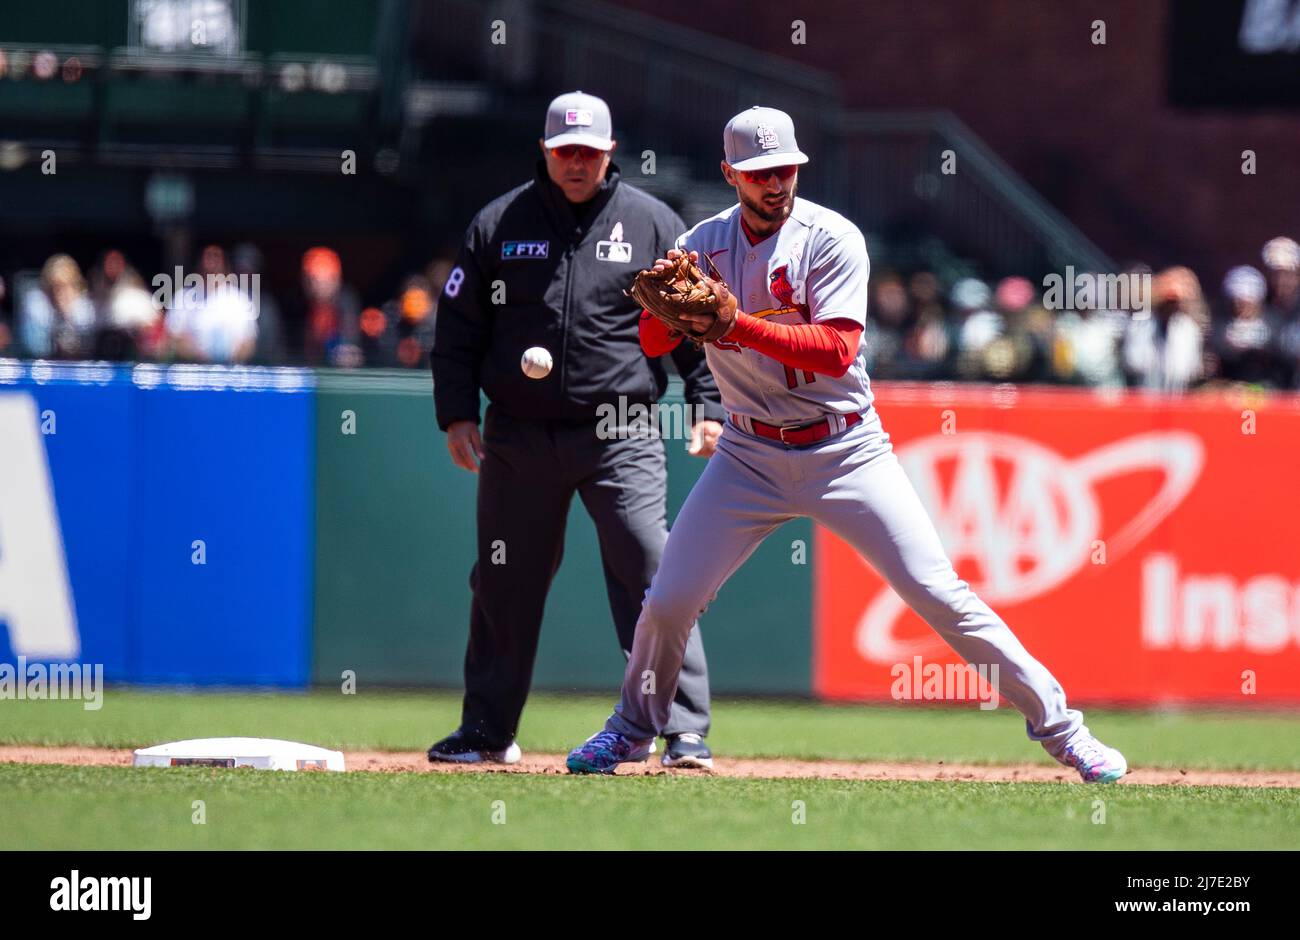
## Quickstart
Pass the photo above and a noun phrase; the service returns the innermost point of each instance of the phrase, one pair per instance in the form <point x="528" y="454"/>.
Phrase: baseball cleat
<point x="687" y="750"/>
<point x="605" y="750"/>
<point x="461" y="748"/>
<point x="1095" y="762"/>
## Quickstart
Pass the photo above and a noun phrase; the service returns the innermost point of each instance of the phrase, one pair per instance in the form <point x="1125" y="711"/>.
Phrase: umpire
<point x="545" y="265"/>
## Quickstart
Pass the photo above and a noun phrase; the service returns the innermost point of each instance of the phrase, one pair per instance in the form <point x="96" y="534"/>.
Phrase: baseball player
<point x="802" y="439"/>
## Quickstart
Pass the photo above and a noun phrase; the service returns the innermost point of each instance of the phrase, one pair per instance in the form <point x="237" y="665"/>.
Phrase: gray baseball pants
<point x="854" y="486"/>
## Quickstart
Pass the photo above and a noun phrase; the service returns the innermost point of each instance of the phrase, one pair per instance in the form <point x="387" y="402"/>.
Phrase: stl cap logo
<point x="617" y="234"/>
<point x="766" y="137"/>
<point x="575" y="116"/>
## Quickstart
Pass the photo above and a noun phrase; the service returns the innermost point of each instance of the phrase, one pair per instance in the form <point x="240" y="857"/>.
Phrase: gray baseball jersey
<point x="814" y="269"/>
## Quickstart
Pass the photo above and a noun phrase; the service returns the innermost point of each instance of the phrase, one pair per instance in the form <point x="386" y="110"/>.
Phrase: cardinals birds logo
<point x="782" y="289"/>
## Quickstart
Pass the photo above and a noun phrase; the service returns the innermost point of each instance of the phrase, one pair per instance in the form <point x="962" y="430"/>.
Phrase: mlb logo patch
<point x="615" y="251"/>
<point x="577" y="116"/>
<point x="766" y="137"/>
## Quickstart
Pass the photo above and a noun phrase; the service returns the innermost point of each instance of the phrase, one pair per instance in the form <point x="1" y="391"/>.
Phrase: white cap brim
<point x="582" y="140"/>
<point x="767" y="160"/>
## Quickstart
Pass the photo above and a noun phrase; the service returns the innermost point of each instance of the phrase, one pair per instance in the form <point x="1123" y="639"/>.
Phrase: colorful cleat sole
<point x="1095" y="762"/>
<point x="604" y="751"/>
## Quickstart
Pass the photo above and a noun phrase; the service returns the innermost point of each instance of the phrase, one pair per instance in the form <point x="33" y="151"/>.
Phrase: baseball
<point x="536" y="362"/>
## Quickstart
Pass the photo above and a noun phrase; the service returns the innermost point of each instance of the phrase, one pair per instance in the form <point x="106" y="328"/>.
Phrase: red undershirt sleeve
<point x="828" y="347"/>
<point x="657" y="338"/>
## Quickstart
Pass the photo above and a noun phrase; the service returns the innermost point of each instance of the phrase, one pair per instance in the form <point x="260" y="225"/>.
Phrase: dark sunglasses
<point x="782" y="173"/>
<point x="568" y="151"/>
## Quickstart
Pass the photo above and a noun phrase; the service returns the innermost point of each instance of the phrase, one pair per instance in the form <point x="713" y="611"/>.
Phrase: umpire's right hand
<point x="465" y="445"/>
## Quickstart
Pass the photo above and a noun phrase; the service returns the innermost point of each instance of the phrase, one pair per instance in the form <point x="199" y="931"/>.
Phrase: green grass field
<point x="109" y="807"/>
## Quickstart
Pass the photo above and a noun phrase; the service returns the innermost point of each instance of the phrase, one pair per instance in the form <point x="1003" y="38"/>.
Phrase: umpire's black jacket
<point x="561" y="287"/>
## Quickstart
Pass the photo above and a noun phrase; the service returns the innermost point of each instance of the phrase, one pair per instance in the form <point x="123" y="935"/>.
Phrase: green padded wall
<point x="394" y="543"/>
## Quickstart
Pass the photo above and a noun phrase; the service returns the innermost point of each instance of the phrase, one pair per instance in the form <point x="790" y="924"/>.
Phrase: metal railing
<point x="894" y="184"/>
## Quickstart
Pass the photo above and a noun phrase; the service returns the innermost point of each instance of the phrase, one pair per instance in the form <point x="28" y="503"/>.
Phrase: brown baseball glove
<point x="687" y="300"/>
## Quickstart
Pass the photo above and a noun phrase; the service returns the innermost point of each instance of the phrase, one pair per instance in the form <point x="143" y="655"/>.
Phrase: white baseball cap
<point x="1282" y="254"/>
<point x="577" y="118"/>
<point x="760" y="138"/>
<point x="1245" y="283"/>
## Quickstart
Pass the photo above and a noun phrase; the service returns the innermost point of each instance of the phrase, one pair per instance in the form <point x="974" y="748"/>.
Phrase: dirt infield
<point x="769" y="768"/>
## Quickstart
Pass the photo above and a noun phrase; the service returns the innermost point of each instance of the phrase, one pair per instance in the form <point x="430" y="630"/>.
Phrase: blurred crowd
<point x="1183" y="336"/>
<point x="220" y="311"/>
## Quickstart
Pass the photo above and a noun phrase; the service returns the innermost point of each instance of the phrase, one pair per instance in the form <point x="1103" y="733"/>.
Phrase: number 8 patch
<point x="454" y="280"/>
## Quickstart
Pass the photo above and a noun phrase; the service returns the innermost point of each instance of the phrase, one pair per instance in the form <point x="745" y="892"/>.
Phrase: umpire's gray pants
<point x="526" y="484"/>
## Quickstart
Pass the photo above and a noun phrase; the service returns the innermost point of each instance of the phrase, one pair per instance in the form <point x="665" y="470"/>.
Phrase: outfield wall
<point x="336" y="535"/>
<point x="278" y="527"/>
<point x="175" y="547"/>
<point x="395" y="542"/>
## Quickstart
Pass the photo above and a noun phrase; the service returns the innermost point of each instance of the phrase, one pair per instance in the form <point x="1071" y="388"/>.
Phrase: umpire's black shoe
<point x="461" y="748"/>
<point x="687" y="750"/>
